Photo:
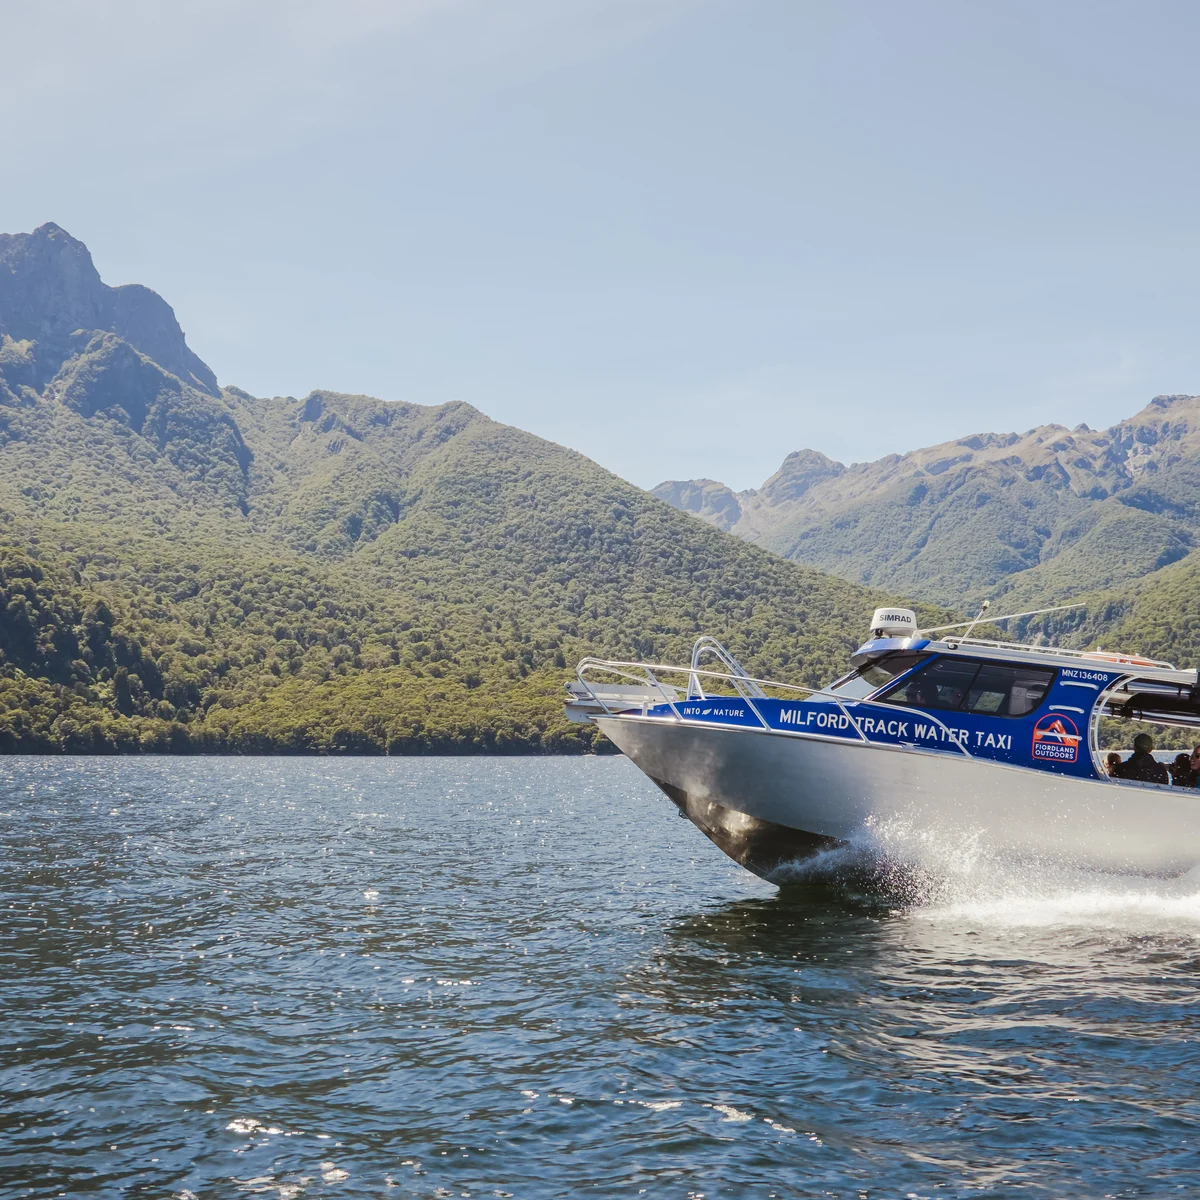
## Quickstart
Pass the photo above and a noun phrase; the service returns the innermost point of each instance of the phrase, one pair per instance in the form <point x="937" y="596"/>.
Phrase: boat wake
<point x="919" y="869"/>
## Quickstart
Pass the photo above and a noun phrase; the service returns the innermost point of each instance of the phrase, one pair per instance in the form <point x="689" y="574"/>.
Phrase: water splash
<point x="949" y="877"/>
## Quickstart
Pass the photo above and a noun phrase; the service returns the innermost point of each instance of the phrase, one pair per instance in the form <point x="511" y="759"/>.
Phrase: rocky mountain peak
<point x="800" y="471"/>
<point x="705" y="498"/>
<point x="49" y="285"/>
<point x="50" y="288"/>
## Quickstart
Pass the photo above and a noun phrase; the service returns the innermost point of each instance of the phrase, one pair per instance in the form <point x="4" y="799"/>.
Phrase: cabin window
<point x="1008" y="691"/>
<point x="958" y="685"/>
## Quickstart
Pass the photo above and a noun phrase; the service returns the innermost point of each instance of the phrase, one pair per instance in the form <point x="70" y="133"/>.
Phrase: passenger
<point x="1141" y="765"/>
<point x="1181" y="771"/>
<point x="920" y="693"/>
<point x="1194" y="763"/>
<point x="1112" y="764"/>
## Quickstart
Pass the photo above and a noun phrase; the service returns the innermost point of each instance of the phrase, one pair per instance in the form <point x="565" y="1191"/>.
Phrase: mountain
<point x="189" y="567"/>
<point x="1035" y="517"/>
<point x="50" y="290"/>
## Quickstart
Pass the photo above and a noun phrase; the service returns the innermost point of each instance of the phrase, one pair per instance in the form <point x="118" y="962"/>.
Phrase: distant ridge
<point x="1050" y="513"/>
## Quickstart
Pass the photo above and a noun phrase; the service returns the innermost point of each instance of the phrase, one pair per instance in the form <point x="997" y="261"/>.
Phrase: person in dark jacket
<point x="1141" y="765"/>
<point x="1181" y="771"/>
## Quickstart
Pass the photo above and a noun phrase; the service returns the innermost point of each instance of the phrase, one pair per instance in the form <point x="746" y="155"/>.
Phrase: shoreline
<point x="437" y="752"/>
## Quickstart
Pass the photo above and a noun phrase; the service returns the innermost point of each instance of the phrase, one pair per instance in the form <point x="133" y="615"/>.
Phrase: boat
<point x="975" y="737"/>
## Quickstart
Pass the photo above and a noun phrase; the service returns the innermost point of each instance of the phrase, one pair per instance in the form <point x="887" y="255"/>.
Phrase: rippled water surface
<point x="529" y="978"/>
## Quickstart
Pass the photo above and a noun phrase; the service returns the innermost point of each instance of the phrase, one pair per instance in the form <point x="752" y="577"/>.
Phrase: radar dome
<point x="893" y="622"/>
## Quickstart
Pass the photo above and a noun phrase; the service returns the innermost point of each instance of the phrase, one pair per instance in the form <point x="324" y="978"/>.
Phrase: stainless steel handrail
<point x="1115" y="660"/>
<point x="707" y="644"/>
<point x="613" y="668"/>
<point x="1093" y="731"/>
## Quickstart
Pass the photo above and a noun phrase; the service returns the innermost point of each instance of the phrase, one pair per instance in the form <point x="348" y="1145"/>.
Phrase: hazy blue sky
<point x="682" y="236"/>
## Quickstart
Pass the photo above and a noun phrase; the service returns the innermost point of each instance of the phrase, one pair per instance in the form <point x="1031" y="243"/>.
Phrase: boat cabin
<point x="1053" y="699"/>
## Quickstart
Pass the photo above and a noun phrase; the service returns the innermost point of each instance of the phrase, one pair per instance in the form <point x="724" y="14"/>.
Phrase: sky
<point x="684" y="237"/>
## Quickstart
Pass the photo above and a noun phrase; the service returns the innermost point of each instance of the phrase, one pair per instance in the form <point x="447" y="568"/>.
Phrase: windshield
<point x="861" y="683"/>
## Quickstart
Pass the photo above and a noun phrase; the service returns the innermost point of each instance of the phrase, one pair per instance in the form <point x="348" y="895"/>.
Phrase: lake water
<point x="529" y="978"/>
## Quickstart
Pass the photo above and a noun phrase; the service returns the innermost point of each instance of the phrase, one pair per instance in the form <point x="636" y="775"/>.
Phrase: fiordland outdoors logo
<point x="1056" y="738"/>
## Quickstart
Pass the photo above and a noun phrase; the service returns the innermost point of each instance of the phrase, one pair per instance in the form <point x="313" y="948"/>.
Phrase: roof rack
<point x="1113" y="658"/>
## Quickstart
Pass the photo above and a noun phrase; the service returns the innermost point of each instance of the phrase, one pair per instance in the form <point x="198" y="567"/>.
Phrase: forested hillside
<point x="1036" y="517"/>
<point x="186" y="567"/>
<point x="1158" y="615"/>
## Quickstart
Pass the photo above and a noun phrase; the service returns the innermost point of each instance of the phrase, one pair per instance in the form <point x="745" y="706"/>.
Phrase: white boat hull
<point x="767" y="797"/>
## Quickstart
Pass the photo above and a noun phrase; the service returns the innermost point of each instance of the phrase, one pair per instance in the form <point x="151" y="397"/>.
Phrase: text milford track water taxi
<point x="973" y="737"/>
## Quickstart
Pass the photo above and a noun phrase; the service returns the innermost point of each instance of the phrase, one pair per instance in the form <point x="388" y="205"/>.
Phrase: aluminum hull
<point x="767" y="797"/>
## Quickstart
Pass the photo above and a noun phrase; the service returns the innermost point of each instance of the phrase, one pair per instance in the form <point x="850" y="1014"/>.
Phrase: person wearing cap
<point x="1141" y="765"/>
